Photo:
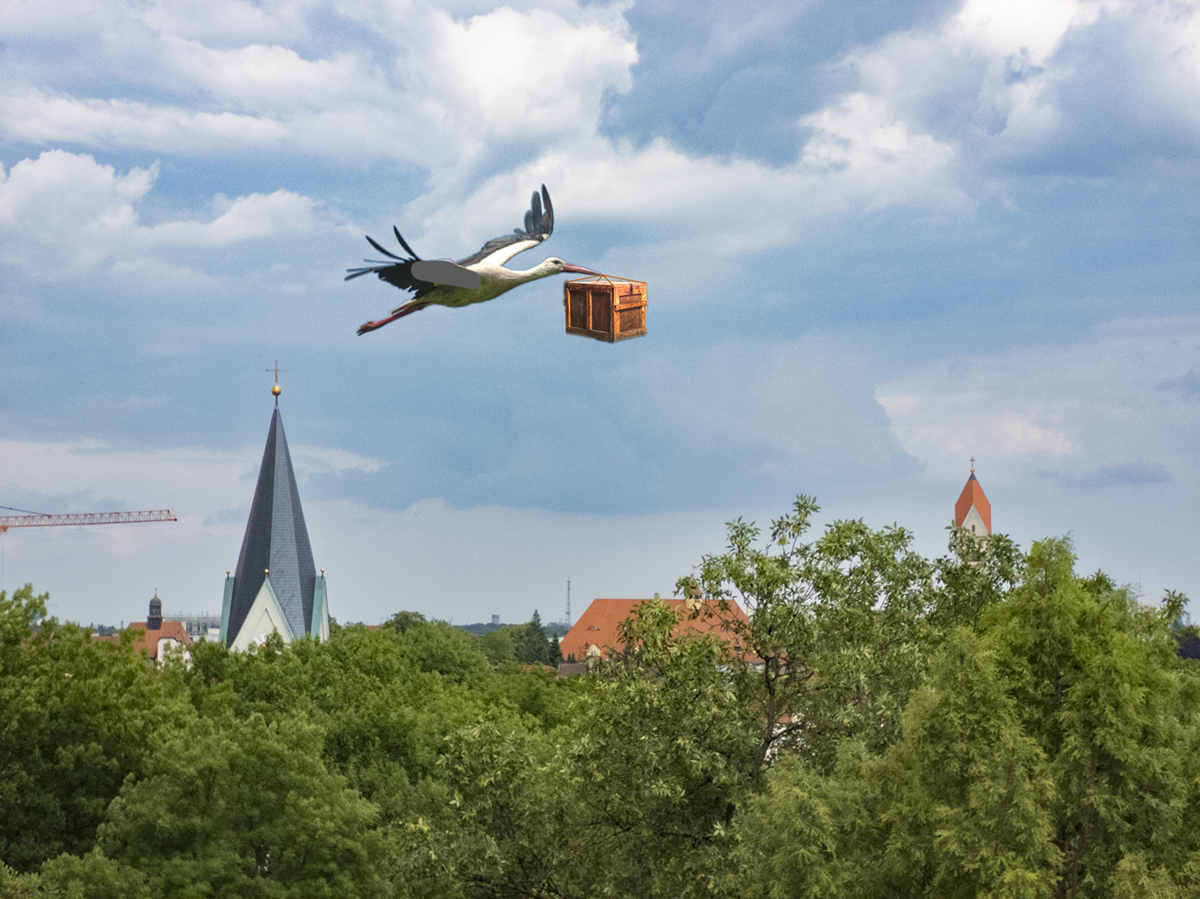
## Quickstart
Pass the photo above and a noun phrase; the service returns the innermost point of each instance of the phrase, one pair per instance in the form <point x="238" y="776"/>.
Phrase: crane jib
<point x="48" y="521"/>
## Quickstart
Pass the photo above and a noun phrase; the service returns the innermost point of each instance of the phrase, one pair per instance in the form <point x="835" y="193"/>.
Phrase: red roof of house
<point x="147" y="641"/>
<point x="597" y="626"/>
<point x="972" y="495"/>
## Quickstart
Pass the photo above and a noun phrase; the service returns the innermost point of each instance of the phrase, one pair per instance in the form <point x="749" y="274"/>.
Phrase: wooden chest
<point x="605" y="308"/>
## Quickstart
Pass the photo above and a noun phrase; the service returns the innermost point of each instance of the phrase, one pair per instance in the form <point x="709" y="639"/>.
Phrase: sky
<point x="879" y="240"/>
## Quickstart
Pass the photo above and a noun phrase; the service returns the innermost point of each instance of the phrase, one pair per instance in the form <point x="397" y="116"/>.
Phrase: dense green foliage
<point x="881" y="724"/>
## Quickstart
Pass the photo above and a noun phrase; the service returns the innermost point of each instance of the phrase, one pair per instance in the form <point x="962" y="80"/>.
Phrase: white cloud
<point x="451" y="89"/>
<point x="272" y="80"/>
<point x="455" y="92"/>
<point x="1163" y="49"/>
<point x="257" y="215"/>
<point x="878" y="159"/>
<point x="64" y="213"/>
<point x="705" y="207"/>
<point x="513" y="74"/>
<point x="38" y="117"/>
<point x="1007" y="28"/>
<point x="48" y="20"/>
<point x="1006" y="80"/>
<point x="226" y="21"/>
<point x="1014" y="435"/>
<point x="463" y="87"/>
<point x="310" y="460"/>
<point x="194" y="482"/>
<point x="107" y="29"/>
<point x="1085" y="412"/>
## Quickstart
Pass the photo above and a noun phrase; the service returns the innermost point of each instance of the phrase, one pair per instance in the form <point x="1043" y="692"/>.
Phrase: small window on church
<point x="972" y="529"/>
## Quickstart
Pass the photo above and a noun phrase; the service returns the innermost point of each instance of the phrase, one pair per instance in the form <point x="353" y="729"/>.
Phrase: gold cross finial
<point x="276" y="389"/>
<point x="972" y="465"/>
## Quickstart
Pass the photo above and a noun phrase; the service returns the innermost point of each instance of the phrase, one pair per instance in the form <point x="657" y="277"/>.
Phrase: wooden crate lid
<point x="601" y="279"/>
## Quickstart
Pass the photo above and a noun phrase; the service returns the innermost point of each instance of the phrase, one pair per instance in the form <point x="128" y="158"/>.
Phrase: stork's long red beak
<point x="579" y="270"/>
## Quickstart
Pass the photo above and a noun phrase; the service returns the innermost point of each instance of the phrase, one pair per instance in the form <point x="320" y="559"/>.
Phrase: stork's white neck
<point x="518" y="276"/>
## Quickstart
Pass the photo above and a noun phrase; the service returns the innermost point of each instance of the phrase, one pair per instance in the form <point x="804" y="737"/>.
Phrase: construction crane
<point x="50" y="521"/>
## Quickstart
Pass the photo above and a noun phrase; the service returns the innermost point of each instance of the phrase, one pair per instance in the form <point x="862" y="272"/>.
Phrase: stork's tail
<point x="404" y="310"/>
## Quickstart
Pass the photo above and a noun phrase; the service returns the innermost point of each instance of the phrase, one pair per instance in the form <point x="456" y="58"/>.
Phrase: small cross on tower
<point x="276" y="389"/>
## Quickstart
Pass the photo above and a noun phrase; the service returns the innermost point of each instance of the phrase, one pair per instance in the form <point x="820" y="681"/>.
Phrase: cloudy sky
<point x="879" y="239"/>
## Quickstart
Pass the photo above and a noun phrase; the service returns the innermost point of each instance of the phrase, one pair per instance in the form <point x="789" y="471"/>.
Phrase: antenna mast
<point x="568" y="603"/>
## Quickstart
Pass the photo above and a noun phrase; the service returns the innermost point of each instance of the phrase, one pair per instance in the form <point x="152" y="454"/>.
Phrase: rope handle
<point x="604" y="278"/>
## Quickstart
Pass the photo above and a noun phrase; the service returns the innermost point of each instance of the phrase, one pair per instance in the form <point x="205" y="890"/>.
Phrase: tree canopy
<point x="989" y="723"/>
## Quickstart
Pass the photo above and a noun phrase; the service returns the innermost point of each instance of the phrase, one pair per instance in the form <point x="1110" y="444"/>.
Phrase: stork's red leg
<point x="371" y="326"/>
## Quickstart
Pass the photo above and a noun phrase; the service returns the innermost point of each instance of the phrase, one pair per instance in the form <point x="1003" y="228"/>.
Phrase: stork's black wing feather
<point x="403" y="243"/>
<point x="372" y="242"/>
<point x="399" y="273"/>
<point x="539" y="224"/>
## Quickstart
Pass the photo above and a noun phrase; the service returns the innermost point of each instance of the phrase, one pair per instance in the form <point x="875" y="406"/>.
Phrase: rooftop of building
<point x="598" y="627"/>
<point x="145" y="640"/>
<point x="973" y="495"/>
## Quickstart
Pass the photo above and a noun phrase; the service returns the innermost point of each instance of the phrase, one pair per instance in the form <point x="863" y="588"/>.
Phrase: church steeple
<point x="275" y="586"/>
<point x="154" y="619"/>
<point x="973" y="511"/>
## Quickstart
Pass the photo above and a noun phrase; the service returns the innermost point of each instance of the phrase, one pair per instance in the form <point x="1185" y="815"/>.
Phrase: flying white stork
<point x="476" y="279"/>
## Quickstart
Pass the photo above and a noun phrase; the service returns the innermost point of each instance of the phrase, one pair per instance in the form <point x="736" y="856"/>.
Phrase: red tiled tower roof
<point x="146" y="641"/>
<point x="597" y="626"/>
<point x="973" y="495"/>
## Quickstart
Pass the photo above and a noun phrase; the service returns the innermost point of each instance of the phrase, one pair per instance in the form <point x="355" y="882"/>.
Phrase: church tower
<point x="276" y="586"/>
<point x="973" y="512"/>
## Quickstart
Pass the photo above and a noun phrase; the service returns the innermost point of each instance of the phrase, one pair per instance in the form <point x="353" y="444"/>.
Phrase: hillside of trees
<point x="992" y="723"/>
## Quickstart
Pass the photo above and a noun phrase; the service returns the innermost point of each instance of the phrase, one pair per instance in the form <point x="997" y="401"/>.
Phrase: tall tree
<point x="500" y="645"/>
<point x="534" y="648"/>
<point x="837" y="636"/>
<point x="1051" y="753"/>
<point x="978" y="573"/>
<point x="232" y="807"/>
<point x="630" y="795"/>
<point x="76" y="718"/>
<point x="1097" y="685"/>
<point x="967" y="794"/>
<point x="664" y="749"/>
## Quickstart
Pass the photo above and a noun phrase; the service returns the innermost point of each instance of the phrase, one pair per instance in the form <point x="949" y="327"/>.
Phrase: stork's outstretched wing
<point x="398" y="273"/>
<point x="539" y="224"/>
<point x="443" y="271"/>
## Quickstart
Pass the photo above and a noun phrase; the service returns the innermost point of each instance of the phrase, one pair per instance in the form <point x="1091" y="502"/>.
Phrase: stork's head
<point x="556" y="266"/>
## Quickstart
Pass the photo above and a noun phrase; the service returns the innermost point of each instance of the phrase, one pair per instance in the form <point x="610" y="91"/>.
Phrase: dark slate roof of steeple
<point x="276" y="539"/>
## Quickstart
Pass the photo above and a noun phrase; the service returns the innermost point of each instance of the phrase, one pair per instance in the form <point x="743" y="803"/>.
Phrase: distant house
<point x="157" y="639"/>
<point x="596" y="635"/>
